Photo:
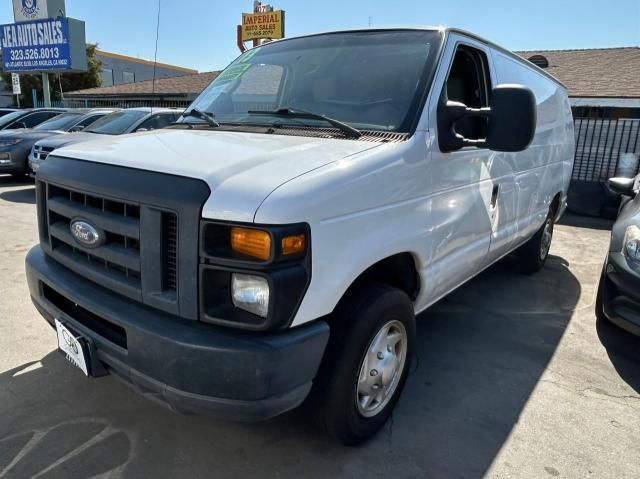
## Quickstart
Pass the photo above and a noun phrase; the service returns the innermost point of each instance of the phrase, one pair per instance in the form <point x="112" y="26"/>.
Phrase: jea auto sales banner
<point x="41" y="45"/>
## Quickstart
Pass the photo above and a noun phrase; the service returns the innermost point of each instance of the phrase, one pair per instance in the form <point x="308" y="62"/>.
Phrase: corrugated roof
<point x="180" y="85"/>
<point x="600" y="72"/>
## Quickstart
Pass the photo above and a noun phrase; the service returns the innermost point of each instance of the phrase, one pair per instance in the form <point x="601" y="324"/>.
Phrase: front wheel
<point x="366" y="363"/>
<point x="532" y="255"/>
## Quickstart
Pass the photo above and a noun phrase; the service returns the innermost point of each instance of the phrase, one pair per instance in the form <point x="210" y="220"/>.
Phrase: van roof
<point x="444" y="30"/>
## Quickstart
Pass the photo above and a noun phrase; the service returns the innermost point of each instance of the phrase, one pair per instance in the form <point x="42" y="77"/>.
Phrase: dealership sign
<point x="263" y="25"/>
<point x="27" y="10"/>
<point x="55" y="44"/>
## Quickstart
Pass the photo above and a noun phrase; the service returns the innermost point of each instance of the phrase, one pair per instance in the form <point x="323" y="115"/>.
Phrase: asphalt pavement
<point x="513" y="378"/>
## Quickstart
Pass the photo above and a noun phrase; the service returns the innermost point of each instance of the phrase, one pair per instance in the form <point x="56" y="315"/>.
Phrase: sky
<point x="202" y="34"/>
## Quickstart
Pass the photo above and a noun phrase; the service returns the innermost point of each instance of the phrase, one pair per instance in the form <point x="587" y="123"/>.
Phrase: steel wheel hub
<point x="381" y="368"/>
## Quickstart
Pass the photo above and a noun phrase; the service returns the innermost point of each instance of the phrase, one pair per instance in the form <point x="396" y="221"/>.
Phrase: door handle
<point x="494" y="196"/>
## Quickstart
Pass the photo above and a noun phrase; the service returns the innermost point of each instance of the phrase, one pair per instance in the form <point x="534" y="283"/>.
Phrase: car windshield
<point x="9" y="117"/>
<point x="60" y="122"/>
<point x="369" y="80"/>
<point x="116" y="123"/>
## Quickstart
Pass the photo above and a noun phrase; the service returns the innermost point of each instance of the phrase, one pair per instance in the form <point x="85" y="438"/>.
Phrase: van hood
<point x="241" y="169"/>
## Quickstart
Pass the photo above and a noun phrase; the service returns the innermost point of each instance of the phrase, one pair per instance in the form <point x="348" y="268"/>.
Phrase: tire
<point x="359" y="320"/>
<point x="599" y="306"/>
<point x="532" y="255"/>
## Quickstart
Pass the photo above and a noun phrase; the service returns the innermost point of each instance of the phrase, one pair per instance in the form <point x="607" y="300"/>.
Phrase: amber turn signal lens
<point x="251" y="242"/>
<point x="292" y="245"/>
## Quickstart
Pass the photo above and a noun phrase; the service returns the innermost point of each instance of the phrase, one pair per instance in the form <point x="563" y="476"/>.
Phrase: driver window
<point x="468" y="83"/>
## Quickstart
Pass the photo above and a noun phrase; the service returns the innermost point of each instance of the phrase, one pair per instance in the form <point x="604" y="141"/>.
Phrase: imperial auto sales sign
<point x="263" y="25"/>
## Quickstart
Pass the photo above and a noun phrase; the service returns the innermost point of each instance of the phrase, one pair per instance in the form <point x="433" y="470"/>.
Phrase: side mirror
<point x="622" y="186"/>
<point x="511" y="125"/>
<point x="76" y="129"/>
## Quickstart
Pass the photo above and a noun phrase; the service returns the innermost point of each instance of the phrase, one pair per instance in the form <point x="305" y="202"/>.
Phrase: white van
<point x="276" y="244"/>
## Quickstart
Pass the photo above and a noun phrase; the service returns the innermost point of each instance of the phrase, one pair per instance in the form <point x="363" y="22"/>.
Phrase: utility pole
<point x="46" y="95"/>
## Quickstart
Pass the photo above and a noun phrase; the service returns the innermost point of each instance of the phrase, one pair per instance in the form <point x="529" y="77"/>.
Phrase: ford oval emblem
<point x="86" y="234"/>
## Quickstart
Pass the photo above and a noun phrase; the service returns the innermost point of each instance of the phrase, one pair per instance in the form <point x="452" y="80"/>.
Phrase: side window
<point x="469" y="83"/>
<point x="36" y="118"/>
<point x="87" y="121"/>
<point x="156" y="122"/>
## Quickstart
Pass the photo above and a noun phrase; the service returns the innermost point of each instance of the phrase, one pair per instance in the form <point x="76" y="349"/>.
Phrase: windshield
<point x="60" y="122"/>
<point x="369" y="80"/>
<point x="116" y="123"/>
<point x="9" y="117"/>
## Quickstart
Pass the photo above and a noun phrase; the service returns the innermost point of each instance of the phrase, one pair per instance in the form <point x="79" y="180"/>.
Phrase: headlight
<point x="632" y="243"/>
<point x="250" y="293"/>
<point x="10" y="142"/>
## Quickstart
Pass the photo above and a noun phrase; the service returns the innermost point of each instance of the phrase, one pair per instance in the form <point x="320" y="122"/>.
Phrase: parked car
<point x="6" y="111"/>
<point x="276" y="244"/>
<point x="28" y="118"/>
<point x="130" y="120"/>
<point x="15" y="145"/>
<point x="618" y="297"/>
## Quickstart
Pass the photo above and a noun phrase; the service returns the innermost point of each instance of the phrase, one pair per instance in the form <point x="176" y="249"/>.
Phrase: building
<point x="604" y="89"/>
<point x="172" y="91"/>
<point x="602" y="82"/>
<point x="121" y="69"/>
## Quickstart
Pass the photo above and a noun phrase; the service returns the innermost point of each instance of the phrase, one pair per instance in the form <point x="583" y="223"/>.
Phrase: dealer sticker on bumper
<point x="71" y="347"/>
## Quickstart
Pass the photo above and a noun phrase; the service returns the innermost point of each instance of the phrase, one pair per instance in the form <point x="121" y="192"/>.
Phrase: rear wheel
<point x="366" y="363"/>
<point x="532" y="255"/>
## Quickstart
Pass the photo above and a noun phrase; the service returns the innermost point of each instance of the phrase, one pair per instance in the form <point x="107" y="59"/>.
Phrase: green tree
<point x="57" y="82"/>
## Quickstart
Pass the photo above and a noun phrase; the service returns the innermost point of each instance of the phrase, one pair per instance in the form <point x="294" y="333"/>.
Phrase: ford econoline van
<point x="276" y="244"/>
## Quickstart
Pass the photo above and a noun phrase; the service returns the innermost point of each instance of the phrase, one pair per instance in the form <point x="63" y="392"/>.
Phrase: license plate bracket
<point x="74" y="347"/>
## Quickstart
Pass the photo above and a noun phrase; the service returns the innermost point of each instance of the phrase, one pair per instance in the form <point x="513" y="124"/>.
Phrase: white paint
<point x="367" y="201"/>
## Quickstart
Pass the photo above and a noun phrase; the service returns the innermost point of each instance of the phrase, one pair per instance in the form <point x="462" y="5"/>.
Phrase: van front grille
<point x="116" y="262"/>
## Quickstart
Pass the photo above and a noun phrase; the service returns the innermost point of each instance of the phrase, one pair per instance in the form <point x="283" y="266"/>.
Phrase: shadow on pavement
<point x="26" y="195"/>
<point x="595" y="223"/>
<point x="8" y="180"/>
<point x="623" y="349"/>
<point x="480" y="353"/>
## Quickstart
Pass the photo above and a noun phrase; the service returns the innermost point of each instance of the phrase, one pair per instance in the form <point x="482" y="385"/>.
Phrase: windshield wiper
<point x="297" y="113"/>
<point x="204" y="115"/>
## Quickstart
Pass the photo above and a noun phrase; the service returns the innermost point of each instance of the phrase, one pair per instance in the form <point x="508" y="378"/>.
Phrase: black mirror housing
<point x="622" y="186"/>
<point x="512" y="123"/>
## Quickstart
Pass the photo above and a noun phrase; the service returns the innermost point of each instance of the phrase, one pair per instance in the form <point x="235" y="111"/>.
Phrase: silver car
<point x="130" y="120"/>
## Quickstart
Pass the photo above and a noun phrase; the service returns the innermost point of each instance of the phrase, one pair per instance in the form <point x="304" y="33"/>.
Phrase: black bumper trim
<point x="191" y="366"/>
<point x="621" y="296"/>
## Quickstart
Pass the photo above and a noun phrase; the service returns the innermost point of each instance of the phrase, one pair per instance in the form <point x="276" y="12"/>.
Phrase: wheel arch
<point x="398" y="270"/>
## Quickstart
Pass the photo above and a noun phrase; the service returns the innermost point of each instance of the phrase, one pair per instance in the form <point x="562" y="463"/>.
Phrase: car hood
<point x="241" y="169"/>
<point x="28" y="135"/>
<point x="62" y="140"/>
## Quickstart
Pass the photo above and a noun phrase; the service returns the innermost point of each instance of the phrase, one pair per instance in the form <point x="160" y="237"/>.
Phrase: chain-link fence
<point x="116" y="103"/>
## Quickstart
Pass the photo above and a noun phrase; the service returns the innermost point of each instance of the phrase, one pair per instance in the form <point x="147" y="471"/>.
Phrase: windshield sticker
<point x="232" y="73"/>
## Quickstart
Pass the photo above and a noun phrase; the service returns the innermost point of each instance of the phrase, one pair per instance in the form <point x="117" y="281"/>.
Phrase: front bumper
<point x="34" y="164"/>
<point x="191" y="366"/>
<point x="621" y="293"/>
<point x="14" y="160"/>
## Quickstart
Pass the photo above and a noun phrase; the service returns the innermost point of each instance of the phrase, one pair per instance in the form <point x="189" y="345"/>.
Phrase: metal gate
<point x="600" y="144"/>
